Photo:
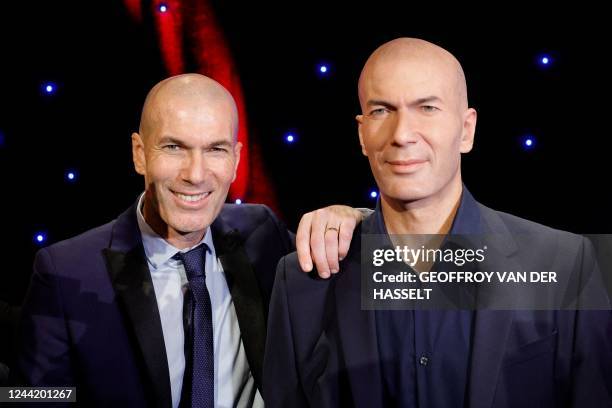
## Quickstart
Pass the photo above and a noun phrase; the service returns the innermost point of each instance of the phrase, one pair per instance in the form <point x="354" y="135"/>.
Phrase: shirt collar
<point x="467" y="218"/>
<point x="157" y="250"/>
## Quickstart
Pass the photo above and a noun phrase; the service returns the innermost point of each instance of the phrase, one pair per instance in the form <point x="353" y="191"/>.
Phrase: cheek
<point x="374" y="137"/>
<point x="444" y="139"/>
<point x="222" y="168"/>
<point x="446" y="155"/>
<point x="162" y="168"/>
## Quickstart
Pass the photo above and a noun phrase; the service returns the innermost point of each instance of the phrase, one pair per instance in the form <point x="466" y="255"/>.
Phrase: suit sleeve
<point x="281" y="385"/>
<point x="44" y="347"/>
<point x="592" y="292"/>
<point x="592" y="360"/>
<point x="592" y="357"/>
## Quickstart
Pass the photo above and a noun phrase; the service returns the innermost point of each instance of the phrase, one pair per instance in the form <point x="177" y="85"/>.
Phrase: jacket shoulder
<point x="80" y="249"/>
<point x="305" y="287"/>
<point x="533" y="237"/>
<point x="246" y="218"/>
<point x="518" y="225"/>
<point x="96" y="237"/>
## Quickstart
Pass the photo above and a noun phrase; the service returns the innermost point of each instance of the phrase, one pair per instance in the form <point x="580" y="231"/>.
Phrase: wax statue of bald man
<point x="167" y="304"/>
<point x="323" y="350"/>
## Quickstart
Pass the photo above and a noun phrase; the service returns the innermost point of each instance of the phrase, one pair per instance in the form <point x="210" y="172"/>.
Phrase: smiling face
<point x="188" y="154"/>
<point x="415" y="122"/>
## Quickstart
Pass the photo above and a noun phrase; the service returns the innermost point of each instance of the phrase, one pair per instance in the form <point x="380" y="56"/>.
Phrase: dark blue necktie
<point x="200" y="366"/>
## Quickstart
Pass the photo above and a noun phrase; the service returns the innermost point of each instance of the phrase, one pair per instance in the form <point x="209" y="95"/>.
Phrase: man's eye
<point x="172" y="147"/>
<point x="218" y="149"/>
<point x="378" y="112"/>
<point x="429" y="108"/>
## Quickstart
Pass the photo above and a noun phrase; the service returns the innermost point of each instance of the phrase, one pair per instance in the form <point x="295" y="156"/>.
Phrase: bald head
<point x="186" y="92"/>
<point x="415" y="54"/>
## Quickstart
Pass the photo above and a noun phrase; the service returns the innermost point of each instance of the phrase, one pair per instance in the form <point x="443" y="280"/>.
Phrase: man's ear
<point x="237" y="149"/>
<point x="469" y="130"/>
<point x="359" y="119"/>
<point x="138" y="154"/>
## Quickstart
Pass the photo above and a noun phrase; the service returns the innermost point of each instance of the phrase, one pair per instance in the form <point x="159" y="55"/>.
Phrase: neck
<point x="174" y="238"/>
<point x="430" y="215"/>
<point x="182" y="241"/>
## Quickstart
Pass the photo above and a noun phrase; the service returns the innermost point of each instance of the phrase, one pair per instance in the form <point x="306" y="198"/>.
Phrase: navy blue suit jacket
<point x="322" y="348"/>
<point x="90" y="317"/>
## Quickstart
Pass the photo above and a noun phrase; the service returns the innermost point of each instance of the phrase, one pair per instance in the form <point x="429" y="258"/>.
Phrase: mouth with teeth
<point x="191" y="199"/>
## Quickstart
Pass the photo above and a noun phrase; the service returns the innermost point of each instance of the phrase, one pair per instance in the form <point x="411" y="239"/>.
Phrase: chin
<point x="189" y="226"/>
<point x="406" y="194"/>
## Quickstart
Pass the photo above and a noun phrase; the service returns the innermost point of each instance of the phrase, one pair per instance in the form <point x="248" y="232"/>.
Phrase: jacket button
<point x="423" y="360"/>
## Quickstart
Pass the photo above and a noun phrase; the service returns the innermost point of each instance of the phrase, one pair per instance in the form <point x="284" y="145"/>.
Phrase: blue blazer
<point x="322" y="348"/>
<point x="90" y="317"/>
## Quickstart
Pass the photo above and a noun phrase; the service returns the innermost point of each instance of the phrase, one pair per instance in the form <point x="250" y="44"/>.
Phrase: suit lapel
<point x="357" y="331"/>
<point x="133" y="286"/>
<point x="245" y="292"/>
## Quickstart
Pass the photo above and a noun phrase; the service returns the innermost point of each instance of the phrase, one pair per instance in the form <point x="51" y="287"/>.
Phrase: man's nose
<point x="405" y="129"/>
<point x="194" y="169"/>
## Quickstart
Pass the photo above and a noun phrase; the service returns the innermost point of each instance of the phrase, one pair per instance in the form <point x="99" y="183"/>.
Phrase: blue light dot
<point x="163" y="8"/>
<point x="49" y="88"/>
<point x="1" y="139"/>
<point x="40" y="237"/>
<point x="529" y="142"/>
<point x="373" y="193"/>
<point x="290" y="138"/>
<point x="238" y="201"/>
<point x="71" y="175"/>
<point x="323" y="69"/>
<point x="545" y="60"/>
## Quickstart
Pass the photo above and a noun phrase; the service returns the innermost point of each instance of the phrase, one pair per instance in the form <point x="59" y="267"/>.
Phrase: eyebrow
<point x="427" y="99"/>
<point x="170" y="139"/>
<point x="377" y="102"/>
<point x="214" y="143"/>
<point x="390" y="106"/>
<point x="220" y="143"/>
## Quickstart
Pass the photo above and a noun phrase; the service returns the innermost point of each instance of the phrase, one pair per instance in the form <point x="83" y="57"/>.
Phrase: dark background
<point x="104" y="63"/>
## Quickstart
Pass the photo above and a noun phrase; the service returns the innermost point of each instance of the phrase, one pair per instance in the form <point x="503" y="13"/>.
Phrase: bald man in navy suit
<point x="167" y="304"/>
<point x="324" y="350"/>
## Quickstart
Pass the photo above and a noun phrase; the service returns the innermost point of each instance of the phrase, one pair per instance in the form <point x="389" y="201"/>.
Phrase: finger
<point x="344" y="237"/>
<point x="317" y="243"/>
<point x="331" y="249"/>
<point x="302" y="242"/>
